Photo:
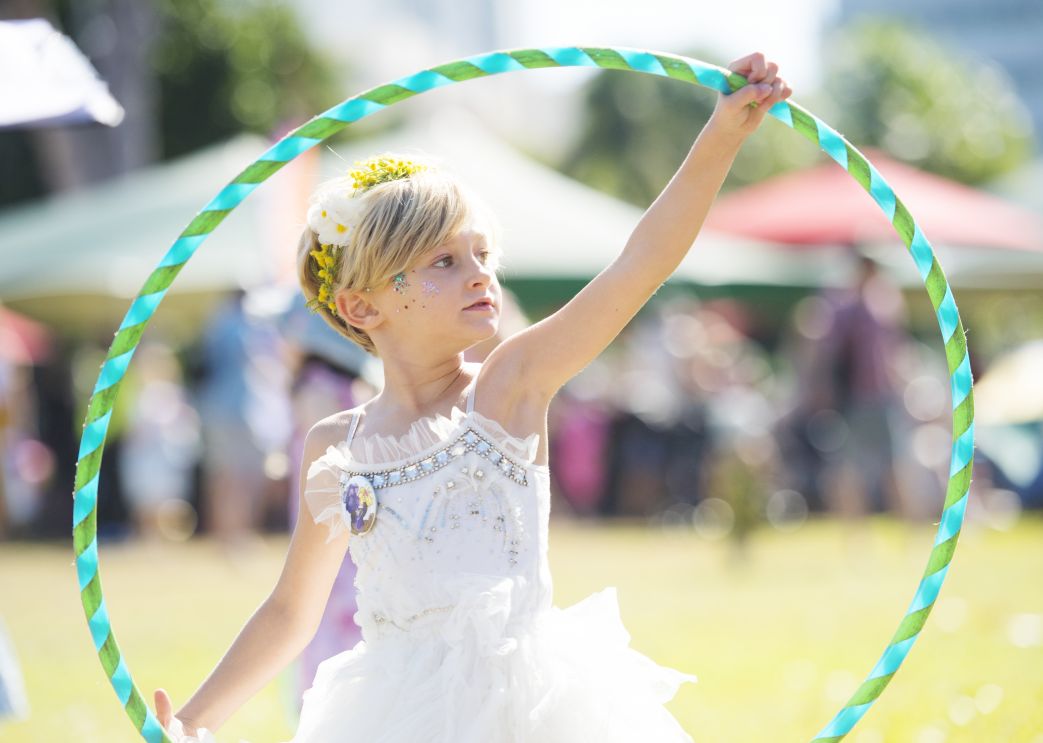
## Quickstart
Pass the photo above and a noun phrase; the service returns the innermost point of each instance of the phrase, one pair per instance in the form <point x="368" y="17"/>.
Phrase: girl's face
<point x="450" y="297"/>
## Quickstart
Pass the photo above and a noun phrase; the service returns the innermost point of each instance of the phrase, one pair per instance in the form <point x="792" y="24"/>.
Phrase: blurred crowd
<point x="702" y="412"/>
<point x="712" y="415"/>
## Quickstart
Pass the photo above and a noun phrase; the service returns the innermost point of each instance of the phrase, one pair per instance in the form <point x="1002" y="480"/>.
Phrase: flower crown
<point x="334" y="214"/>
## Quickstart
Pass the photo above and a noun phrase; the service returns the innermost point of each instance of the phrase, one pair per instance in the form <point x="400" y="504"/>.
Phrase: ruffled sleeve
<point x="322" y="492"/>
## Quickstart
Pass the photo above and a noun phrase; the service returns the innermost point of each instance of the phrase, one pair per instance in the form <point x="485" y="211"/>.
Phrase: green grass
<point x="778" y="640"/>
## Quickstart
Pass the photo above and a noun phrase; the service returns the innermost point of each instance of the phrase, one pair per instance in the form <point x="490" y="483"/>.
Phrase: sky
<point x="540" y="111"/>
<point x="786" y="32"/>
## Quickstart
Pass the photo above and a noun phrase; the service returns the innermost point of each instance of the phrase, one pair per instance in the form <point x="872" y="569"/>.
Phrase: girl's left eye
<point x="485" y="257"/>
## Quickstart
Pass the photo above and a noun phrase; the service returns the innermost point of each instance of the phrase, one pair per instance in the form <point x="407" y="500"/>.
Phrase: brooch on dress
<point x="360" y="504"/>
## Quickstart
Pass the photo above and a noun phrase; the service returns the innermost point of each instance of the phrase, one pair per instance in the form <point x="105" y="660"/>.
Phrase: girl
<point x="439" y="486"/>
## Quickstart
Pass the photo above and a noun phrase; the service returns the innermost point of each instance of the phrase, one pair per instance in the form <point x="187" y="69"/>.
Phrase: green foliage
<point x="637" y="130"/>
<point x="893" y="87"/>
<point x="227" y="67"/>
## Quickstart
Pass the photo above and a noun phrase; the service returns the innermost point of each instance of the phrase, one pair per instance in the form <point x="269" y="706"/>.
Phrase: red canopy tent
<point x="824" y="205"/>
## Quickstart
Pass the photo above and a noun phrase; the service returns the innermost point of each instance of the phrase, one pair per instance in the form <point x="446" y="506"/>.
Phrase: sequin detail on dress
<point x="470" y="440"/>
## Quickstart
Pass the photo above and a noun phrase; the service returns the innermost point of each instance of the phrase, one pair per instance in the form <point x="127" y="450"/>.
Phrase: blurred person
<point x="26" y="463"/>
<point x="244" y="410"/>
<point x="454" y="587"/>
<point x="849" y="401"/>
<point x="648" y="397"/>
<point x="740" y="458"/>
<point x="160" y="447"/>
<point x="57" y="394"/>
<point x="579" y="427"/>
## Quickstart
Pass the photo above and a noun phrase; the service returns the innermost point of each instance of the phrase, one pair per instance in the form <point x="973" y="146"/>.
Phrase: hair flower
<point x="335" y="212"/>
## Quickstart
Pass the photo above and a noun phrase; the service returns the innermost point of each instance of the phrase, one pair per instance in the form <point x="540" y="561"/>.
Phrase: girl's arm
<point x="549" y="353"/>
<point x="285" y="621"/>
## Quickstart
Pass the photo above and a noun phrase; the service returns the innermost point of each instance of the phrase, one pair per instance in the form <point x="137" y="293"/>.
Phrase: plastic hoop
<point x="324" y="125"/>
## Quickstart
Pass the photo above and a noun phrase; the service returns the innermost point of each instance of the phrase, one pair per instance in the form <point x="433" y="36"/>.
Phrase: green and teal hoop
<point x="332" y="121"/>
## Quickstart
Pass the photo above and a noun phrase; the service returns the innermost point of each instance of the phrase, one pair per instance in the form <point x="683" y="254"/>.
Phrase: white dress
<point x="460" y="640"/>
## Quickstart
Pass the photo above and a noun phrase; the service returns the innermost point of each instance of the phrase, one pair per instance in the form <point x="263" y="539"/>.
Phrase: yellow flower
<point x="381" y="169"/>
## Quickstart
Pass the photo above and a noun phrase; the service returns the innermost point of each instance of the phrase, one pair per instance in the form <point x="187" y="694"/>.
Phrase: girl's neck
<point x="412" y="392"/>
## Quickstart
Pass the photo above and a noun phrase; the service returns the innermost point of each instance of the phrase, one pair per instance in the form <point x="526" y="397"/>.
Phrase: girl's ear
<point x="355" y="308"/>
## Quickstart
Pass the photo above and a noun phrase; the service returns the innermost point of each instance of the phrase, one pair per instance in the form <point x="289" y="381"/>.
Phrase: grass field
<point x="779" y="640"/>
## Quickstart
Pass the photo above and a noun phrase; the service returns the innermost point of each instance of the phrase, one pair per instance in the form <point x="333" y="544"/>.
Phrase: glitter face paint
<point x="399" y="283"/>
<point x="429" y="288"/>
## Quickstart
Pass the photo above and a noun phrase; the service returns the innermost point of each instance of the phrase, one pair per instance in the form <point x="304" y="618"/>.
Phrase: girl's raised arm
<point x="552" y="351"/>
<point x="285" y="622"/>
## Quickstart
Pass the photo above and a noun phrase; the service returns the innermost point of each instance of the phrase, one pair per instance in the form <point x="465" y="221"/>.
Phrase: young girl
<point x="439" y="486"/>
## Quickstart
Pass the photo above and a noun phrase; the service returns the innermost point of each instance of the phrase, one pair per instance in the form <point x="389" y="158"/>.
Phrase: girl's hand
<point x="165" y="714"/>
<point x="741" y="112"/>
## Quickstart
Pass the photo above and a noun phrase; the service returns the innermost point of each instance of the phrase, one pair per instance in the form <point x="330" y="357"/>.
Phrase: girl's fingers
<point x="747" y="66"/>
<point x="164" y="709"/>
<point x="748" y="94"/>
<point x="758" y="68"/>
<point x="780" y="90"/>
<point x="739" y="64"/>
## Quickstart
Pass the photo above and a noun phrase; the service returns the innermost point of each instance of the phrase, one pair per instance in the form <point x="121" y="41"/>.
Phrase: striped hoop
<point x="357" y="107"/>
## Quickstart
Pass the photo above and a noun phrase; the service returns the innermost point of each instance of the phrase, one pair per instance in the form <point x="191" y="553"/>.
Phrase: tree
<point x="891" y="86"/>
<point x="225" y="67"/>
<point x="637" y="130"/>
<point x="189" y="73"/>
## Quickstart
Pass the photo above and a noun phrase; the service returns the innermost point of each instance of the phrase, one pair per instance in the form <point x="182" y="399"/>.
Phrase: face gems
<point x="360" y="504"/>
<point x="399" y="283"/>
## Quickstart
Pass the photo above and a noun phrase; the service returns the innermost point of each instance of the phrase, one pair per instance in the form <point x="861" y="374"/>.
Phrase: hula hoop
<point x="493" y="63"/>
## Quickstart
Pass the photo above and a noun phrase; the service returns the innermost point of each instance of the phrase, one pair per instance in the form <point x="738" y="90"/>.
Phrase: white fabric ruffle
<point x="176" y="732"/>
<point x="375" y="449"/>
<point x="476" y="676"/>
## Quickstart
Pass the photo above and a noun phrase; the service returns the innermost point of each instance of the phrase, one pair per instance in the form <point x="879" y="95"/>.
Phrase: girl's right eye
<point x="443" y="258"/>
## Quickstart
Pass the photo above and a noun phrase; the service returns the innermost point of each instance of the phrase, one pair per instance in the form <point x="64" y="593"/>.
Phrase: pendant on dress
<point x="360" y="504"/>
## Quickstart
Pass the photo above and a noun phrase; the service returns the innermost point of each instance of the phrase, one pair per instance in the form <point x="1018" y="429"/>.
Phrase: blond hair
<point x="398" y="221"/>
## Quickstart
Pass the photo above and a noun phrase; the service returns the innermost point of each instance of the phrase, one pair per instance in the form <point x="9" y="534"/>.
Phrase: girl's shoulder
<point x="332" y="429"/>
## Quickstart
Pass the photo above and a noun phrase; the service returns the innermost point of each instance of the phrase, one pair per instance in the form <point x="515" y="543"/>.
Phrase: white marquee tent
<point x="105" y="240"/>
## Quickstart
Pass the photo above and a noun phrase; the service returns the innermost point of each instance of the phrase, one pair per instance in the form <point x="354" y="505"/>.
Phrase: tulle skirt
<point x="476" y="676"/>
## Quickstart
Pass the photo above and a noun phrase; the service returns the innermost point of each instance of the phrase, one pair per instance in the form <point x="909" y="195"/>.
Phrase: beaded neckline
<point x="470" y="439"/>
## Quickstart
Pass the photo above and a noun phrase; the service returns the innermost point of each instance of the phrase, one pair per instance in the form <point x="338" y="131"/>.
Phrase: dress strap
<point x="351" y="431"/>
<point x="470" y="394"/>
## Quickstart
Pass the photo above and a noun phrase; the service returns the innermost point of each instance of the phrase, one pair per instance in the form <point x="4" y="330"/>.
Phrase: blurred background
<point x="769" y="438"/>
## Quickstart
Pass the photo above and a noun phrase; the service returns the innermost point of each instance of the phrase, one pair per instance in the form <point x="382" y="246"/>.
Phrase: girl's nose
<point x="482" y="272"/>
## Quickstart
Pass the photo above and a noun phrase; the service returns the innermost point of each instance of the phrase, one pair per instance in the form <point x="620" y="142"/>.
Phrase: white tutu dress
<point x="461" y="642"/>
